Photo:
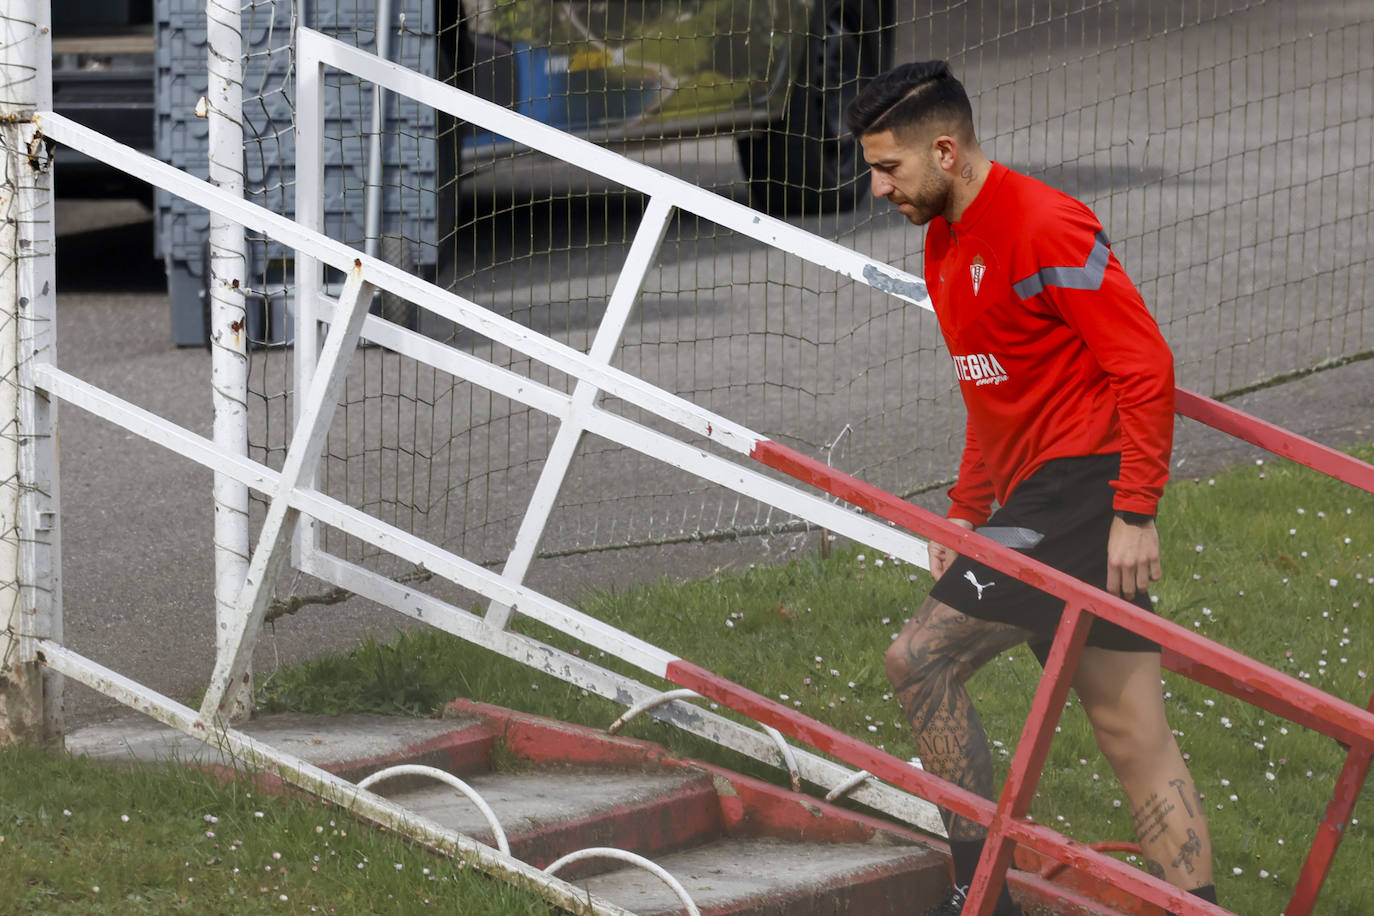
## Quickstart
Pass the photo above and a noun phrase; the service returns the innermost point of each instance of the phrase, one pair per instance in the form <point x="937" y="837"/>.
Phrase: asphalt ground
<point x="137" y="520"/>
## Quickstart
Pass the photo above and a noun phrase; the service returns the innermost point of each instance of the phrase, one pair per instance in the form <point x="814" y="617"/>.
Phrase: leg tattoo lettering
<point x="942" y="738"/>
<point x="952" y="743"/>
<point x="1149" y="819"/>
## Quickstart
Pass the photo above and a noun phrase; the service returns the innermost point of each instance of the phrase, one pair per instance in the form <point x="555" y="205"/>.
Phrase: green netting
<point x="1226" y="147"/>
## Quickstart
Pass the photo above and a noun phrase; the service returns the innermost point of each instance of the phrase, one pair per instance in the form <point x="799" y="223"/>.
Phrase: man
<point x="1069" y="387"/>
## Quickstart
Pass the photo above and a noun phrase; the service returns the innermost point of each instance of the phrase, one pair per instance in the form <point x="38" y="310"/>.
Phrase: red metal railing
<point x="1186" y="653"/>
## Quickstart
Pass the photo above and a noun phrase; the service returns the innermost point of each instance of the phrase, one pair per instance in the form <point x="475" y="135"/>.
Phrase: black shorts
<point x="1060" y="515"/>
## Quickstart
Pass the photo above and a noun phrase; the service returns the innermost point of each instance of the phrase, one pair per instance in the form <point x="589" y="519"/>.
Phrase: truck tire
<point x="808" y="163"/>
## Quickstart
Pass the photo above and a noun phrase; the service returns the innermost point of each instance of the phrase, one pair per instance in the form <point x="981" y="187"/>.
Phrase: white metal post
<point x="30" y="596"/>
<point x="228" y="331"/>
<point x="239" y="633"/>
<point x="310" y="214"/>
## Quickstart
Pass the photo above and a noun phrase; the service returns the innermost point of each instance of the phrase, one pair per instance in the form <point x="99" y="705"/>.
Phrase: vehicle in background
<point x="774" y="74"/>
<point x="103" y="77"/>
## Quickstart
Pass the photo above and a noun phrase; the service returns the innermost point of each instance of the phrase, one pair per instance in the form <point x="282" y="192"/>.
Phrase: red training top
<point x="1054" y="349"/>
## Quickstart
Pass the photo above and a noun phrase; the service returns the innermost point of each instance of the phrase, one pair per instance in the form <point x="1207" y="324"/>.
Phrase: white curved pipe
<point x="415" y="769"/>
<point x="788" y="757"/>
<point x="849" y="785"/>
<point x="634" y="858"/>
<point x="652" y="702"/>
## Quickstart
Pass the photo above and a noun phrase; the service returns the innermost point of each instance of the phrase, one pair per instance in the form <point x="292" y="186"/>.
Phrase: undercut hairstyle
<point x="909" y="97"/>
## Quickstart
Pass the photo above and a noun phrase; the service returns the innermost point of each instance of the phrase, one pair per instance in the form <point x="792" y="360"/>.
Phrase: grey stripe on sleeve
<point x="1089" y="276"/>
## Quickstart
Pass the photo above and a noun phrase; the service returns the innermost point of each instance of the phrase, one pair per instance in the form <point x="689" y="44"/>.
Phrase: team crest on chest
<point x="976" y="270"/>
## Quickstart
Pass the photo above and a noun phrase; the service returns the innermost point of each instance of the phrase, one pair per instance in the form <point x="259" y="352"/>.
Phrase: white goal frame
<point x="332" y="322"/>
<point x="295" y="505"/>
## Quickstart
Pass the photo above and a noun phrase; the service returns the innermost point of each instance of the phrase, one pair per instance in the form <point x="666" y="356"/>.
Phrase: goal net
<point x="1225" y="145"/>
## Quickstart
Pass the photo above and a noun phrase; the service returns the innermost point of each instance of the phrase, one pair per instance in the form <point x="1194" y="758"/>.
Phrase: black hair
<point x="907" y="96"/>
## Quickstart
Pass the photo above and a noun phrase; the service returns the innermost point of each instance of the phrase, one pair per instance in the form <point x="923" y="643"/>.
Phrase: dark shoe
<point x="952" y="905"/>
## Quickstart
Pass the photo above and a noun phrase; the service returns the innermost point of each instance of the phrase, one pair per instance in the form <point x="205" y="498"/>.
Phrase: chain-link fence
<point x="1225" y="145"/>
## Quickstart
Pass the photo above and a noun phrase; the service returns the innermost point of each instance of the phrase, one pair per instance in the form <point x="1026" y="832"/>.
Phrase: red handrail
<point x="1187" y="653"/>
<point x="1276" y="439"/>
<point x="1055" y="868"/>
<point x="1331" y="831"/>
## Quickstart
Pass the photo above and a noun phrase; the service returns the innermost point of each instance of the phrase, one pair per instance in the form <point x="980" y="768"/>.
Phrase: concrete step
<point x="739" y="845"/>
<point x="782" y="853"/>
<point x="351" y="746"/>
<point x="764" y="876"/>
<point x="551" y="811"/>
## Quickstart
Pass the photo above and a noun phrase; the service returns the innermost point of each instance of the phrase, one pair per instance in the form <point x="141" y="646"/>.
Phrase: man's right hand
<point x="941" y="556"/>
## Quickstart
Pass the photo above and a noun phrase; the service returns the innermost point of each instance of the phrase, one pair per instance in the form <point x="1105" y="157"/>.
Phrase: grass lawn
<point x="1269" y="559"/>
<point x="83" y="837"/>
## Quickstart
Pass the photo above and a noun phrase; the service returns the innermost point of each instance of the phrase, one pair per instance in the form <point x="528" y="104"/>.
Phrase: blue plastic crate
<point x="182" y="139"/>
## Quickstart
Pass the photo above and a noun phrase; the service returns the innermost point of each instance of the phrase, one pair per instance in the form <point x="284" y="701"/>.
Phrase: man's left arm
<point x="1124" y="337"/>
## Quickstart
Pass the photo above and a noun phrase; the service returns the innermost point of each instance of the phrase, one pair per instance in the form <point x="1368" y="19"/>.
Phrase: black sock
<point x="1207" y="892"/>
<point x="966" y="854"/>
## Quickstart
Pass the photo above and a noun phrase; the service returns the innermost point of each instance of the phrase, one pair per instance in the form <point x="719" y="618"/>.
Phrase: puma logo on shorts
<point x="968" y="574"/>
